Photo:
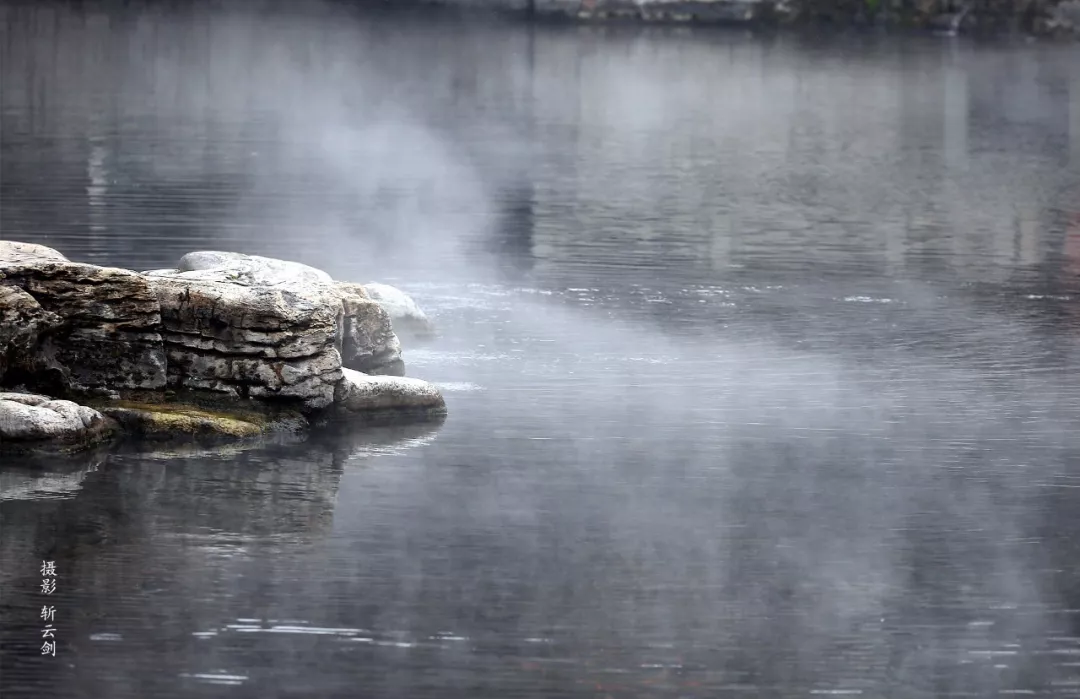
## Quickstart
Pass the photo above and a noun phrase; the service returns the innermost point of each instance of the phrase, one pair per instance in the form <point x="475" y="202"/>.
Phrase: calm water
<point x="762" y="359"/>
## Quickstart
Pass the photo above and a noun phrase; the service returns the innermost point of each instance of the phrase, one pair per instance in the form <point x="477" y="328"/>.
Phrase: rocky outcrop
<point x="369" y="343"/>
<point x="247" y="331"/>
<point x="407" y="318"/>
<point x="226" y="344"/>
<point x="367" y="339"/>
<point x="34" y="423"/>
<point x="107" y="337"/>
<point x="360" y="393"/>
<point x="23" y="326"/>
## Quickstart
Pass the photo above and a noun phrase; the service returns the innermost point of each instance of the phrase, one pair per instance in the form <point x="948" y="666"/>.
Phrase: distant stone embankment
<point x="225" y="345"/>
<point x="1036" y="17"/>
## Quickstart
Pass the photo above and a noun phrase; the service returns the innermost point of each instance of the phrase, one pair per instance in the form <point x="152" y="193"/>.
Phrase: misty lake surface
<point x="762" y="359"/>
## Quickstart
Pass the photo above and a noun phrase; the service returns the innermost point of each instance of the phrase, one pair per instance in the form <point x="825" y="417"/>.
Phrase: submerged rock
<point x="369" y="343"/>
<point x="361" y="393"/>
<point x="408" y="320"/>
<point x="30" y="422"/>
<point x="108" y="333"/>
<point x="168" y="421"/>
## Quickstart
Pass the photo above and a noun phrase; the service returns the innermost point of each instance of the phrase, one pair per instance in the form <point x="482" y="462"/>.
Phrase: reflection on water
<point x="1074" y="117"/>
<point x="760" y="358"/>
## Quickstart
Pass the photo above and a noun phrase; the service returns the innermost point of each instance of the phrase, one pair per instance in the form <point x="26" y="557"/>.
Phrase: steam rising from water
<point x="792" y="508"/>
<point x="811" y="513"/>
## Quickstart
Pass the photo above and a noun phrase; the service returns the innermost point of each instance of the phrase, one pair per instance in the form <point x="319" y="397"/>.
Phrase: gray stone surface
<point x="30" y="421"/>
<point x="221" y="327"/>
<point x="108" y="336"/>
<point x="15" y="253"/>
<point x="251" y="328"/>
<point x="360" y="393"/>
<point x="253" y="269"/>
<point x="369" y="343"/>
<point x="410" y="323"/>
<point x="23" y="322"/>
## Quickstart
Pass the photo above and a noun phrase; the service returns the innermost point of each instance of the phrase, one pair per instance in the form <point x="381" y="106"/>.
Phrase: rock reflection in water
<point x="225" y="528"/>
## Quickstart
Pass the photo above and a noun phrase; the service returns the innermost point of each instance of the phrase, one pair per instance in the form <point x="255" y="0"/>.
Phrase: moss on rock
<point x="167" y="420"/>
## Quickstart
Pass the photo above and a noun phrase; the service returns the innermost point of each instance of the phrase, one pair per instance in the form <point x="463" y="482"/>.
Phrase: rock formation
<point x="369" y="344"/>
<point x="29" y="423"/>
<point x="239" y="332"/>
<point x="408" y="320"/>
<point x="108" y="337"/>
<point x="360" y="393"/>
<point x="250" y="328"/>
<point x="22" y="323"/>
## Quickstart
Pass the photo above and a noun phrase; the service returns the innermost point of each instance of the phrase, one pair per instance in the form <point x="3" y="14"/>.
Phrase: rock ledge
<point x="225" y="345"/>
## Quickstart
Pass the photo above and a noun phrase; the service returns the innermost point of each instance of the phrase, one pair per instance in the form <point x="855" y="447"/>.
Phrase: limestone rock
<point x="15" y="253"/>
<point x="251" y="328"/>
<point x="361" y="393"/>
<point x="253" y="269"/>
<point x="369" y="342"/>
<point x="110" y="317"/>
<point x="29" y="422"/>
<point x="408" y="320"/>
<point x="23" y="322"/>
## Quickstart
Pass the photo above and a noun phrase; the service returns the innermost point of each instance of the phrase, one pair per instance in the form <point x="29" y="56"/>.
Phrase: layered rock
<point x="30" y="422"/>
<point x="250" y="327"/>
<point x="369" y="343"/>
<point x="23" y="325"/>
<point x="407" y="318"/>
<point x="224" y="345"/>
<point x="108" y="335"/>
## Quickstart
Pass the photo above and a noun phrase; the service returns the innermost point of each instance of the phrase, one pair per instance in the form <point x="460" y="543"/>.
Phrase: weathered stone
<point x="251" y="328"/>
<point x="361" y="393"/>
<point x="23" y="322"/>
<point x="369" y="343"/>
<point x="15" y="253"/>
<point x="253" y="269"/>
<point x="222" y="327"/>
<point x="110" y="317"/>
<point x="29" y="422"/>
<point x="408" y="320"/>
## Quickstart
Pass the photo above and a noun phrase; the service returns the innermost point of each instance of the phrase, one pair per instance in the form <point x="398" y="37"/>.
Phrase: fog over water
<point x="760" y="356"/>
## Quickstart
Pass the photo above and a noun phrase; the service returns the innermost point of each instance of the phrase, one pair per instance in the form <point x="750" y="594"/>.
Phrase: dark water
<point x="761" y="358"/>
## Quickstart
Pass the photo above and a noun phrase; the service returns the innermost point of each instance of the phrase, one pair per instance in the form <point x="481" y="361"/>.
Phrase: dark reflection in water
<point x="760" y="358"/>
